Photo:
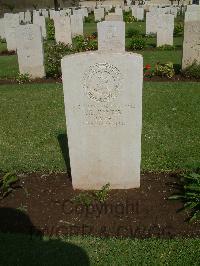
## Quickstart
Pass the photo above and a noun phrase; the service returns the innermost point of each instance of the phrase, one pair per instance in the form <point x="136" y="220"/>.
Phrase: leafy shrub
<point x="178" y="29"/>
<point x="190" y="194"/>
<point x="166" y="47"/>
<point x="177" y="68"/>
<point x="148" y="72"/>
<point x="137" y="44"/>
<point x="23" y="78"/>
<point x="94" y="34"/>
<point x="150" y="35"/>
<point x="81" y="43"/>
<point x="83" y="199"/>
<point x="88" y="199"/>
<point x="131" y="32"/>
<point x="2" y="40"/>
<point x="6" y="184"/>
<point x="55" y="52"/>
<point x="102" y="195"/>
<point x="53" y="55"/>
<point x="128" y="18"/>
<point x="50" y="29"/>
<point x="165" y="70"/>
<point x="89" y="19"/>
<point x="192" y="71"/>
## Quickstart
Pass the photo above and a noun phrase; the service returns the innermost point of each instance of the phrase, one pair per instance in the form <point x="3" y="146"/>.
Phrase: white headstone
<point x="30" y="50"/>
<point x="134" y="10"/>
<point x="118" y="11"/>
<point x="140" y="13"/>
<point x="98" y="14"/>
<point x="127" y="8"/>
<point x="11" y="23"/>
<point x="2" y="28"/>
<point x="54" y="13"/>
<point x="103" y="107"/>
<point x="113" y="17"/>
<point x="27" y="17"/>
<point x="153" y="9"/>
<point x="152" y="22"/>
<point x="165" y="30"/>
<point x="68" y="11"/>
<point x="45" y="13"/>
<point x="35" y="14"/>
<point x="191" y="8"/>
<point x="191" y="44"/>
<point x="76" y="25"/>
<point x="21" y="17"/>
<point x="85" y="11"/>
<point x="174" y="11"/>
<point x="40" y="21"/>
<point x="63" y="30"/>
<point x="192" y="16"/>
<point x="111" y="36"/>
<point x="107" y="7"/>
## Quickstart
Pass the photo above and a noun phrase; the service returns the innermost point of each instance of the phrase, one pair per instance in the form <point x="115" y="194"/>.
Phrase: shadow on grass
<point x="22" y="244"/>
<point x="63" y="142"/>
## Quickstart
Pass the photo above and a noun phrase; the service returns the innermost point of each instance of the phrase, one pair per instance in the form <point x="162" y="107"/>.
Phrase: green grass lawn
<point x="23" y="250"/>
<point x="8" y="67"/>
<point x="152" y="57"/>
<point x="33" y="117"/>
<point x="140" y="26"/>
<point x="3" y="47"/>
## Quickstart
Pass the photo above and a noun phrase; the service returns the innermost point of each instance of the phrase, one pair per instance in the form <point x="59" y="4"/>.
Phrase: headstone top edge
<point x="125" y="53"/>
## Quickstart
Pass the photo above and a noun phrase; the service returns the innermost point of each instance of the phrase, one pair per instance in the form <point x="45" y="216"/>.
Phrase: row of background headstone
<point x="68" y="27"/>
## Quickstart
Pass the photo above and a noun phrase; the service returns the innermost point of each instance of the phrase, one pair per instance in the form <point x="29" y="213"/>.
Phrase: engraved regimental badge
<point x="102" y="82"/>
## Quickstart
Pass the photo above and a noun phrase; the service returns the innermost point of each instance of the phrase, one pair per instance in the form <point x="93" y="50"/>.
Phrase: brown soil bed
<point x="173" y="79"/>
<point x="44" y="207"/>
<point x="176" y="78"/>
<point x="6" y="52"/>
<point x="35" y="81"/>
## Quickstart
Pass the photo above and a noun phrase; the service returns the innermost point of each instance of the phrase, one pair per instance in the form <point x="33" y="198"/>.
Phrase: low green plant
<point x="102" y="194"/>
<point x="82" y="44"/>
<point x="23" y="78"/>
<point x="190" y="194"/>
<point x="2" y="40"/>
<point x="54" y="52"/>
<point x="22" y="208"/>
<point x="166" y="47"/>
<point x="177" y="68"/>
<point x="178" y="30"/>
<point x="6" y="184"/>
<point x="164" y="70"/>
<point x="148" y="71"/>
<point x="94" y="34"/>
<point x="192" y="71"/>
<point x="89" y="19"/>
<point x="137" y="44"/>
<point x="50" y="29"/>
<point x="87" y="199"/>
<point x="128" y="18"/>
<point x="131" y="32"/>
<point x="83" y="198"/>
